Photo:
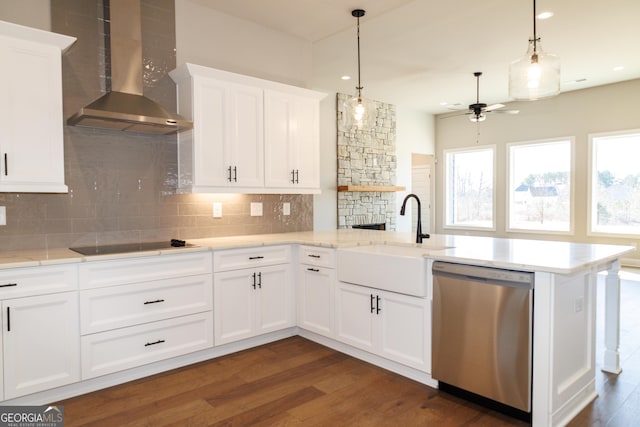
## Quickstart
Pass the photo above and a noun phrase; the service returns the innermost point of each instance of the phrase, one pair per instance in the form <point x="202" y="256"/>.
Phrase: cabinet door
<point x="233" y="306"/>
<point x="275" y="299"/>
<point x="247" y="135"/>
<point x="211" y="146"/>
<point x="41" y="343"/>
<point x="31" y="136"/>
<point x="292" y="155"/>
<point x="404" y="326"/>
<point x="355" y="315"/>
<point x="315" y="303"/>
<point x="227" y="136"/>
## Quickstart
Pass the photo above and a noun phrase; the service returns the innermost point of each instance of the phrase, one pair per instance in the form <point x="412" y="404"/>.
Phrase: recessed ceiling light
<point x="545" y="15"/>
<point x="618" y="68"/>
<point x="346" y="77"/>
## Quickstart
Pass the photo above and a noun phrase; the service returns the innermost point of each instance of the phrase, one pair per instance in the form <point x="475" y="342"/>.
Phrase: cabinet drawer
<point x="97" y="274"/>
<point x="19" y="282"/>
<point x="313" y="255"/>
<point x="113" y="307"/>
<point x="120" y="349"/>
<point x="235" y="259"/>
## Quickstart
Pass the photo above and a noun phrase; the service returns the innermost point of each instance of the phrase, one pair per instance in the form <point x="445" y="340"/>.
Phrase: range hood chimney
<point x="124" y="107"/>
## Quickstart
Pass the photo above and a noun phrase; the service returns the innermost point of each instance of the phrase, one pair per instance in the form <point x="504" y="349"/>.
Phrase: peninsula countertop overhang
<point x="521" y="254"/>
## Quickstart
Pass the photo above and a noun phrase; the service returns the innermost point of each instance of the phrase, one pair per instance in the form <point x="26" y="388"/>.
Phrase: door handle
<point x="260" y="280"/>
<point x="372" y="307"/>
<point x="8" y="319"/>
<point x="154" y="343"/>
<point x="293" y="176"/>
<point x="6" y="165"/>
<point x="229" y="176"/>
<point x="254" y="280"/>
<point x="297" y="176"/>
<point x="378" y="309"/>
<point x="235" y="174"/>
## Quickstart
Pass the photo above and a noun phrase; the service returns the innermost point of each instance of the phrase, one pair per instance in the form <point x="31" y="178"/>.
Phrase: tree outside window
<point x="615" y="183"/>
<point x="540" y="186"/>
<point x="469" y="188"/>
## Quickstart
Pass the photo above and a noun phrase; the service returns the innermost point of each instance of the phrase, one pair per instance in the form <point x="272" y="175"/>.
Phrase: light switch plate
<point x="3" y="215"/>
<point x="286" y="208"/>
<point x="217" y="210"/>
<point x="256" y="208"/>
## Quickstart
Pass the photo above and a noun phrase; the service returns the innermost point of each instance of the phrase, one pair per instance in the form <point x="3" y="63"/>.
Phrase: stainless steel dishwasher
<point x="482" y="333"/>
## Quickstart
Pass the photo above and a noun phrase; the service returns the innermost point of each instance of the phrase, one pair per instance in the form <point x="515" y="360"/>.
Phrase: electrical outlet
<point x="3" y="215"/>
<point x="256" y="208"/>
<point x="286" y="208"/>
<point x="217" y="210"/>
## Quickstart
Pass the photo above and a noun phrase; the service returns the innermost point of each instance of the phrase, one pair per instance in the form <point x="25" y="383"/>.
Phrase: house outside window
<point x="469" y="188"/>
<point x="539" y="198"/>
<point x="615" y="183"/>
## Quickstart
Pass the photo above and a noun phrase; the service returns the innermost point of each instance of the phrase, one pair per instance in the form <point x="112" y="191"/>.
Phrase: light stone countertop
<point x="519" y="254"/>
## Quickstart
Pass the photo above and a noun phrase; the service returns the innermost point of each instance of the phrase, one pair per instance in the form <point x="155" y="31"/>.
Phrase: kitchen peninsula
<point x="564" y="305"/>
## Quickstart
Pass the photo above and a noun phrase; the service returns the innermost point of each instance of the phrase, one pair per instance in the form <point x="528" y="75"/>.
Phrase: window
<point x="539" y="192"/>
<point x="615" y="183"/>
<point x="469" y="188"/>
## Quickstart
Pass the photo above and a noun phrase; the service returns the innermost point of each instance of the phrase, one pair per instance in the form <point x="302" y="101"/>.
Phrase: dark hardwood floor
<point x="298" y="382"/>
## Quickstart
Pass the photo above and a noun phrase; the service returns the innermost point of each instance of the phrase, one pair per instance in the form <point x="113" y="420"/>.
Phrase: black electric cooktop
<point x="131" y="247"/>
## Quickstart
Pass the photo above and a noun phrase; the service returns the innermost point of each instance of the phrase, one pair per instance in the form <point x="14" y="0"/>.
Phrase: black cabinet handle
<point x="6" y="285"/>
<point x="6" y="165"/>
<point x="313" y="256"/>
<point x="229" y="176"/>
<point x="254" y="280"/>
<point x="154" y="343"/>
<point x="293" y="176"/>
<point x="235" y="174"/>
<point x="260" y="280"/>
<point x="153" y="302"/>
<point x="372" y="307"/>
<point x="8" y="319"/>
<point x="378" y="309"/>
<point x="313" y="269"/>
<point x="297" y="176"/>
<point x="256" y="257"/>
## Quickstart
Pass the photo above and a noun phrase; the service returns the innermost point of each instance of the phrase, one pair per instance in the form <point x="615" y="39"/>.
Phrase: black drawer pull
<point x="260" y="280"/>
<point x="378" y="309"/>
<point x="153" y="302"/>
<point x="256" y="257"/>
<point x="254" y="280"/>
<point x="313" y="269"/>
<point x="313" y="256"/>
<point x="154" y="343"/>
<point x="8" y="319"/>
<point x="6" y="285"/>
<point x="6" y="165"/>
<point x="372" y="307"/>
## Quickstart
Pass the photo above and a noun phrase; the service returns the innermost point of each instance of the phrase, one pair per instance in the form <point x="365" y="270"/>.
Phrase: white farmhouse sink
<point x="400" y="269"/>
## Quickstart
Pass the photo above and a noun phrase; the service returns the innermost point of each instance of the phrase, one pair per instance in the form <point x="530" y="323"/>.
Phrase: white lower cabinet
<point x="254" y="301"/>
<point x="141" y="310"/>
<point x="40" y="343"/>
<point x="390" y="325"/>
<point x="316" y="284"/>
<point x="120" y="349"/>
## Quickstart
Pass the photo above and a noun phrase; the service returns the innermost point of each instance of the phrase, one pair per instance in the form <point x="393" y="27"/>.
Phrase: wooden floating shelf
<point x="381" y="188"/>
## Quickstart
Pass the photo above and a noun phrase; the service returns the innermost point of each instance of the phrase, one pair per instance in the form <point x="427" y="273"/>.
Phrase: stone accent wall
<point x="366" y="156"/>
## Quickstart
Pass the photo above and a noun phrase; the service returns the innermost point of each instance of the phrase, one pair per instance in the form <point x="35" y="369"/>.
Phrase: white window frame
<point x="572" y="173"/>
<point x="592" y="180"/>
<point x="445" y="182"/>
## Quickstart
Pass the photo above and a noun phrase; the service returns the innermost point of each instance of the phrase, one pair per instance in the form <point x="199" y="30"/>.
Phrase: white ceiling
<point x="420" y="53"/>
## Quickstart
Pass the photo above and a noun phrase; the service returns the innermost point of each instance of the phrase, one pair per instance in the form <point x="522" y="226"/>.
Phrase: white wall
<point x="571" y="114"/>
<point x="30" y="13"/>
<point x="415" y="133"/>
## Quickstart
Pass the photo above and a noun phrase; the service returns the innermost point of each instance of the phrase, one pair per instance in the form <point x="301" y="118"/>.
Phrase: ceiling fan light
<point x="534" y="76"/>
<point x="478" y="117"/>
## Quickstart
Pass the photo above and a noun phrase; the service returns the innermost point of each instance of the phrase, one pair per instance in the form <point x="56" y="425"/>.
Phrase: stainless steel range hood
<point x="124" y="107"/>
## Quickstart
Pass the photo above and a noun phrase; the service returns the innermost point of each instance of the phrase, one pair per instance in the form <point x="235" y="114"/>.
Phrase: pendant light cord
<point x="358" y="13"/>
<point x="535" y="35"/>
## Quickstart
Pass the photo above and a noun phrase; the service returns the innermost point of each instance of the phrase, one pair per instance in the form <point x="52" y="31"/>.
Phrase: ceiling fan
<point x="477" y="112"/>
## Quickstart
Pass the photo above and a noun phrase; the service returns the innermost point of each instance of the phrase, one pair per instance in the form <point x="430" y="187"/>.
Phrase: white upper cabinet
<point x="31" y="120"/>
<point x="292" y="141"/>
<point x="250" y="135"/>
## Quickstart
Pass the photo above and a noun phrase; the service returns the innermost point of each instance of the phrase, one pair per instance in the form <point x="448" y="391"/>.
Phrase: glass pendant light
<point x="537" y="74"/>
<point x="358" y="107"/>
